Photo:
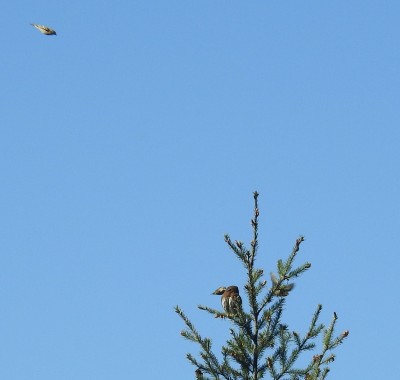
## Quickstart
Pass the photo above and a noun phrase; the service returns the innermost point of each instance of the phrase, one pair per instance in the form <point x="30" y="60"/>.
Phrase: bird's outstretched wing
<point x="283" y="290"/>
<point x="44" y="29"/>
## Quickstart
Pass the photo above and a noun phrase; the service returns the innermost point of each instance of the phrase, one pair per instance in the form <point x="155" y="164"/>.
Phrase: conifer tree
<point x="261" y="345"/>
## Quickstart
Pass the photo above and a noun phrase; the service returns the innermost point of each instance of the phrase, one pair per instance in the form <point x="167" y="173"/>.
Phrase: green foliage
<point x="260" y="344"/>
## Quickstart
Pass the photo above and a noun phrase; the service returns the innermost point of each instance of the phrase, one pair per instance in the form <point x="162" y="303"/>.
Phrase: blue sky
<point x="133" y="140"/>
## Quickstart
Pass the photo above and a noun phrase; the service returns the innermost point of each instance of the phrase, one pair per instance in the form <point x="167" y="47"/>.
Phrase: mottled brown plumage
<point x="230" y="299"/>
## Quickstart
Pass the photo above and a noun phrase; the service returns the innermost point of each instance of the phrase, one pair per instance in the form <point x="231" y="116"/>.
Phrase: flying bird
<point x="230" y="299"/>
<point x="44" y="29"/>
<point x="283" y="290"/>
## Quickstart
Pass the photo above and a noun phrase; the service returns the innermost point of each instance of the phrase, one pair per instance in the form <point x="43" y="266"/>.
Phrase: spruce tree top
<point x="261" y="345"/>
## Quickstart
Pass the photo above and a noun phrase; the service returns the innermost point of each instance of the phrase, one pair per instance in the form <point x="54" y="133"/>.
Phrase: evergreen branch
<point x="216" y="313"/>
<point x="231" y="372"/>
<point x="329" y="332"/>
<point x="324" y="373"/>
<point x="329" y="343"/>
<point x="292" y="256"/>
<point x="237" y="248"/>
<point x="302" y="344"/>
<point x="270" y="313"/>
<point x="260" y="343"/>
<point x="298" y="271"/>
<point x="190" y="334"/>
<point x="212" y="364"/>
<point x="254" y="223"/>
<point x="237" y="349"/>
<point x="285" y="272"/>
<point x="314" y="330"/>
<point x="252" y="288"/>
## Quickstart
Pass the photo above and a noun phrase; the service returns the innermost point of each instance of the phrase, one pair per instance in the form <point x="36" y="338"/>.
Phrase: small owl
<point x="230" y="299"/>
<point x="44" y="29"/>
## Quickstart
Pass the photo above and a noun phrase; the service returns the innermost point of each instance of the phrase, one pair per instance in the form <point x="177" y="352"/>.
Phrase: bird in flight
<point x="44" y="29"/>
<point x="283" y="290"/>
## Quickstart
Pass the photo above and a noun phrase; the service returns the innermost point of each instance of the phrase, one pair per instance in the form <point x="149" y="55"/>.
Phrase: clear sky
<point x="133" y="140"/>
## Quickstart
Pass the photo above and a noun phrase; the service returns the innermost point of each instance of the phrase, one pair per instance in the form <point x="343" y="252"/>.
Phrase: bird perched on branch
<point x="282" y="290"/>
<point x="44" y="29"/>
<point x="230" y="299"/>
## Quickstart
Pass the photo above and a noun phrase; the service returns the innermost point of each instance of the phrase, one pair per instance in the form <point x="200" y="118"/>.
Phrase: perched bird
<point x="44" y="29"/>
<point x="283" y="290"/>
<point x="230" y="299"/>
